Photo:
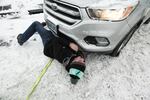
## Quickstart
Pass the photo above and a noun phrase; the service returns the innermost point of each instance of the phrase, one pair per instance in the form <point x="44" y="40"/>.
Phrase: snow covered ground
<point x="126" y="77"/>
<point x="106" y="78"/>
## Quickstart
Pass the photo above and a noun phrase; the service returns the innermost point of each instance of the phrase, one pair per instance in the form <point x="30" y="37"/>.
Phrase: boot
<point x="19" y="38"/>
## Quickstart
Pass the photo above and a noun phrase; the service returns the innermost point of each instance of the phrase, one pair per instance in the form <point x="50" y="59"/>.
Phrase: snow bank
<point x="5" y="2"/>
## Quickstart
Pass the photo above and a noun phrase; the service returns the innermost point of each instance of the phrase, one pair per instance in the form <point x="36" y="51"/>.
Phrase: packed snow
<point x="106" y="78"/>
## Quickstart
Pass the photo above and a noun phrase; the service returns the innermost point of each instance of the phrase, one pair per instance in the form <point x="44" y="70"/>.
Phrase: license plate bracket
<point x="52" y="26"/>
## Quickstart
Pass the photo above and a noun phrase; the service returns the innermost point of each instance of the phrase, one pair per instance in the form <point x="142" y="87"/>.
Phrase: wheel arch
<point x="134" y="28"/>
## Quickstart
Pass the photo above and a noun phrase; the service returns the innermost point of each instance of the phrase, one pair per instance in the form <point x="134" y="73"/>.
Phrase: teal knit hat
<point x="76" y="70"/>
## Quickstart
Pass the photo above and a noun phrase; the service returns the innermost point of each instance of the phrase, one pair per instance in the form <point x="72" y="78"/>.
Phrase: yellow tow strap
<point x="39" y="78"/>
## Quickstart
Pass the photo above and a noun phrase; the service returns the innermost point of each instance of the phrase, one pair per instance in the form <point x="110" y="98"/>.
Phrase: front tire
<point x="125" y="40"/>
<point x="147" y="21"/>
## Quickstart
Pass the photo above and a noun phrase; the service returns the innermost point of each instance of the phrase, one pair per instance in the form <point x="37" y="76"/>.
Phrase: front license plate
<point x="52" y="26"/>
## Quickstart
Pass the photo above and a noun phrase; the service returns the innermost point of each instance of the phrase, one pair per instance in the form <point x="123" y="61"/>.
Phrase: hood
<point x="102" y="3"/>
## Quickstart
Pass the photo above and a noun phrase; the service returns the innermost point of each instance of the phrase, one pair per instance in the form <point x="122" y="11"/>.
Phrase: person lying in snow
<point x="61" y="49"/>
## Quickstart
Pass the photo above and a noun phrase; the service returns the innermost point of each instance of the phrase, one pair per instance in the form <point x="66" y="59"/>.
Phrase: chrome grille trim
<point x="63" y="12"/>
<point x="53" y="13"/>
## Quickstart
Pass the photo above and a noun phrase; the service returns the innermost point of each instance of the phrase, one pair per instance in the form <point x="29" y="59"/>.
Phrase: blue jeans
<point x="36" y="26"/>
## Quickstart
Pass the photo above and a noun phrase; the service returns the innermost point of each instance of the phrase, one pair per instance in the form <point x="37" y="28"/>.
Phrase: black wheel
<point x="147" y="21"/>
<point x="123" y="43"/>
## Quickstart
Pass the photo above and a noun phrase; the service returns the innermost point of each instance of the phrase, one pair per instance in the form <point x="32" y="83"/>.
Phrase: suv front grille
<point x="63" y="12"/>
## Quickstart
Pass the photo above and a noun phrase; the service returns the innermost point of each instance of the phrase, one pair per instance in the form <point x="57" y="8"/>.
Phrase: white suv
<point x="97" y="25"/>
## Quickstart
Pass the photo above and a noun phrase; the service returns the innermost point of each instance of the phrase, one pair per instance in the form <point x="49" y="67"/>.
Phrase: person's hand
<point x="73" y="46"/>
<point x="43" y="23"/>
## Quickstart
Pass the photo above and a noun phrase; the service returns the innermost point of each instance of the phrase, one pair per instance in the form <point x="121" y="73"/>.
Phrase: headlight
<point x="110" y="14"/>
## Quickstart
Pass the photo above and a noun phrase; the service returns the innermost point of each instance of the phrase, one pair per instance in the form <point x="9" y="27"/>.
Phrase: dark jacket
<point x="58" y="49"/>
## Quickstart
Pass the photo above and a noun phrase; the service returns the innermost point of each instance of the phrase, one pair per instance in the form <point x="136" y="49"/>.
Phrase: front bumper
<point x="113" y="31"/>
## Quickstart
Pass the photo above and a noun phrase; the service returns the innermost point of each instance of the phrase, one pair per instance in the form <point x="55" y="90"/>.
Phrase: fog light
<point x="102" y="41"/>
<point x="98" y="41"/>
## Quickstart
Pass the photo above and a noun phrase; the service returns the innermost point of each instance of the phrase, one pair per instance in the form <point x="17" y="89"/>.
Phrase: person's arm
<point x="72" y="45"/>
<point x="63" y="41"/>
<point x="43" y="23"/>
